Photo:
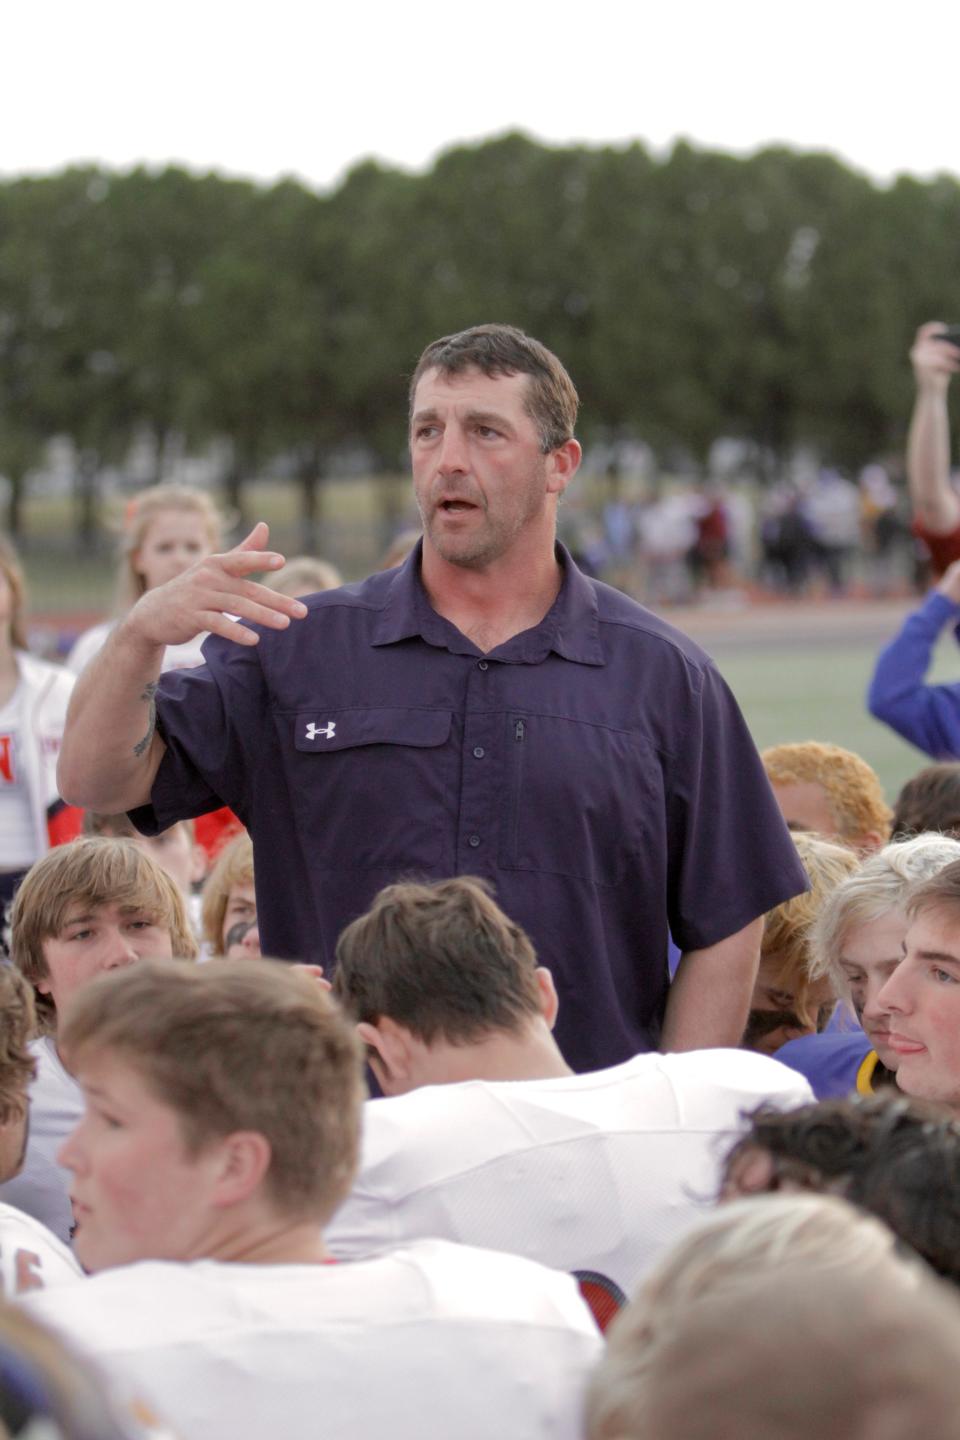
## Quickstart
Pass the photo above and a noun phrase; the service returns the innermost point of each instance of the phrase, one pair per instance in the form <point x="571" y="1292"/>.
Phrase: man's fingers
<point x="219" y="624"/>
<point x="247" y="592"/>
<point x="247" y="562"/>
<point x="257" y="539"/>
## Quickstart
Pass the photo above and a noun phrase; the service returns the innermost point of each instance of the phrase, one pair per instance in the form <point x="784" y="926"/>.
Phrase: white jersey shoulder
<point x="31" y="1256"/>
<point x="92" y="641"/>
<point x="432" y="1341"/>
<point x="602" y="1170"/>
<point x="42" y="1189"/>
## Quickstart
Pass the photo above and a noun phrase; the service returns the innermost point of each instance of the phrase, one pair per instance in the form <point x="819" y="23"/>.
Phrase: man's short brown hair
<point x="17" y="1020"/>
<point x="551" y="399"/>
<point x="441" y="959"/>
<point x="237" y="1045"/>
<point x="930" y="800"/>
<point x="93" y="871"/>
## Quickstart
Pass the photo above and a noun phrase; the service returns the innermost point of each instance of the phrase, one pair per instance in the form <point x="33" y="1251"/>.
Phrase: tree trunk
<point x="310" y="476"/>
<point x="86" y="495"/>
<point x="15" y="500"/>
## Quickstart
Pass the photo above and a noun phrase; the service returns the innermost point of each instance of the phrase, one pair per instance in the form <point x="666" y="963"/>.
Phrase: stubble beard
<point x="494" y="539"/>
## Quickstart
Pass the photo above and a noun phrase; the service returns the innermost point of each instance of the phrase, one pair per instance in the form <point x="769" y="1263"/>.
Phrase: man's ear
<point x="389" y="1052"/>
<point x="242" y="1161"/>
<point x="562" y="464"/>
<point x="549" y="1001"/>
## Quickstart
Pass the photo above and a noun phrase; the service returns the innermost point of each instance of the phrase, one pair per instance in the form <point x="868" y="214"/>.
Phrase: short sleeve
<point x="944" y="549"/>
<point x="211" y="719"/>
<point x="731" y="855"/>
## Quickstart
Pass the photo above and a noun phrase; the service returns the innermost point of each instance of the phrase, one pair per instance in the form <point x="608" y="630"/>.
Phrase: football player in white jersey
<point x="31" y="1257"/>
<point x="489" y="1138"/>
<point x="89" y="906"/>
<point x="223" y="1107"/>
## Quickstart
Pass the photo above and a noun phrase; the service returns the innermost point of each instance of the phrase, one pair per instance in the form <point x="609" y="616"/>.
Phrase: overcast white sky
<point x="288" y="87"/>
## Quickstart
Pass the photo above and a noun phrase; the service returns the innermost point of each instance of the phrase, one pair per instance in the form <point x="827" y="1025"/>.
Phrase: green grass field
<point x="816" y="692"/>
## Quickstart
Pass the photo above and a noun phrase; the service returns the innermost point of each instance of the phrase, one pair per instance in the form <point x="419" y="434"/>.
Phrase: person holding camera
<point x="935" y="356"/>
<point x="927" y="715"/>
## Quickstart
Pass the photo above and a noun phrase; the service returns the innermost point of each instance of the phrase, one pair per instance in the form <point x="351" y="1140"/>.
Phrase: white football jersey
<point x="433" y="1342"/>
<point x="42" y="1189"/>
<point x="31" y="1256"/>
<point x="595" y="1174"/>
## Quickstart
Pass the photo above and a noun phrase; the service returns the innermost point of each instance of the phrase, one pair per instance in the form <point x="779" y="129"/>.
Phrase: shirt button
<point x="482" y="665"/>
<point x="479" y="751"/>
<point x="474" y="841"/>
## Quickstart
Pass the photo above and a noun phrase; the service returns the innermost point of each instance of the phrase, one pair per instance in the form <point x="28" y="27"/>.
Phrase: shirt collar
<point x="571" y="627"/>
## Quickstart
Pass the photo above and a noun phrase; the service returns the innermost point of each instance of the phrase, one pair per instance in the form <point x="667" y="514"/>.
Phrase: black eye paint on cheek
<point x="236" y="933"/>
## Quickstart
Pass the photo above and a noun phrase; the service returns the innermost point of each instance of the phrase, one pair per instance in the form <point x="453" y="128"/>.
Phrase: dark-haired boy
<point x="489" y="1137"/>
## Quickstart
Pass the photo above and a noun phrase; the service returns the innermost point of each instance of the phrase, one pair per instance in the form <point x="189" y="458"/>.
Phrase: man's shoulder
<point x="714" y="1087"/>
<point x="369" y="594"/>
<point x="156" y="1302"/>
<point x="454" y="1128"/>
<point x="32" y="1256"/>
<point x="467" y="1282"/>
<point x="639" y="627"/>
<point x="116" y="1309"/>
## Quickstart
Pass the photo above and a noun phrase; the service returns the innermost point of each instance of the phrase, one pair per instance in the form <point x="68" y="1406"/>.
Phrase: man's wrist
<point x="140" y="647"/>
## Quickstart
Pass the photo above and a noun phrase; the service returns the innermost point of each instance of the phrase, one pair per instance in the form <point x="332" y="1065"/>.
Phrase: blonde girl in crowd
<point x="165" y="530"/>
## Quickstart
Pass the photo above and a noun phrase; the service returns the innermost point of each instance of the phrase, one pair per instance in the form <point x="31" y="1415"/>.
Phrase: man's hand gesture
<point x="215" y="594"/>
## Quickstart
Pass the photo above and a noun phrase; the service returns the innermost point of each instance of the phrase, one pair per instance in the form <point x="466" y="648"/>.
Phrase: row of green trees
<point x="691" y="296"/>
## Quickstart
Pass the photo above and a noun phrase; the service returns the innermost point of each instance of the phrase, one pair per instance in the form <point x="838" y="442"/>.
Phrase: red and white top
<point x="31" y="1256"/>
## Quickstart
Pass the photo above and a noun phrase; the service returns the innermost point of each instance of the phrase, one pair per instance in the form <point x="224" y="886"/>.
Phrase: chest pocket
<point x="581" y="800"/>
<point x="370" y="786"/>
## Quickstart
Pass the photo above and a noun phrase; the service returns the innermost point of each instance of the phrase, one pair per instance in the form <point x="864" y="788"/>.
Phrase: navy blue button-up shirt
<point x="595" y="769"/>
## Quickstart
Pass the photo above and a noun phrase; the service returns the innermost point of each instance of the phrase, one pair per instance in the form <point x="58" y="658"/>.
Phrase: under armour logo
<point x="314" y="732"/>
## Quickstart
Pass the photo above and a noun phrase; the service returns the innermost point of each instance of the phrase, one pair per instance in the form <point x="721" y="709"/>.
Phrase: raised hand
<point x="216" y="595"/>
<point x="933" y="360"/>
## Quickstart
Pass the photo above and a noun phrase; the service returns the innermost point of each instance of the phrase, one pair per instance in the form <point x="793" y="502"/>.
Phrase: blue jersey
<point x="835" y="1062"/>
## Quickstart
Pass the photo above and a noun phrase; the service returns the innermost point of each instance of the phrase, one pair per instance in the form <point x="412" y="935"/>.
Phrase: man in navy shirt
<point x="484" y="709"/>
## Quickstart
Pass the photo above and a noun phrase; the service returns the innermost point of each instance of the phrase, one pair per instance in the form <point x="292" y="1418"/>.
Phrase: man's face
<point x="480" y="478"/>
<point x="922" y="999"/>
<point x="773" y="1017"/>
<point x="869" y="955"/>
<point x="97" y="938"/>
<point x="137" y="1193"/>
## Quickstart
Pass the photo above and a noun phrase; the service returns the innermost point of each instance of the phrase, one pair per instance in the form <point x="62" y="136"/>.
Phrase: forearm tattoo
<point x="148" y="695"/>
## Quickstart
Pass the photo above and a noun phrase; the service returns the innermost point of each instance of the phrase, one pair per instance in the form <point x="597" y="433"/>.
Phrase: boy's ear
<point x="389" y="1049"/>
<point x="240" y="1162"/>
<point x="549" y="1000"/>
